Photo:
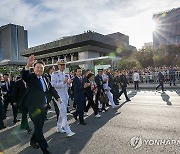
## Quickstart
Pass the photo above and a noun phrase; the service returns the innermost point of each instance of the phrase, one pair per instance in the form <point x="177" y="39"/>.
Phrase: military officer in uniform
<point x="61" y="82"/>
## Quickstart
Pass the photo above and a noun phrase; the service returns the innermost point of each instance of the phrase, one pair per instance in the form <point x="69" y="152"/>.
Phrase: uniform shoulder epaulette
<point x="56" y="72"/>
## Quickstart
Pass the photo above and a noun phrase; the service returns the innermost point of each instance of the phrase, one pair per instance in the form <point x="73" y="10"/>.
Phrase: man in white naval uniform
<point x="107" y="88"/>
<point x="60" y="81"/>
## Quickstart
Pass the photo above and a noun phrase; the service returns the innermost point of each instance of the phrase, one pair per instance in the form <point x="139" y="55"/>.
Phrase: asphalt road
<point x="148" y="124"/>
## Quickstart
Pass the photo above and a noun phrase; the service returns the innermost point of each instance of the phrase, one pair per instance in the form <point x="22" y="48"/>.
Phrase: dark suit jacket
<point x="123" y="81"/>
<point x="89" y="92"/>
<point x="99" y="81"/>
<point x="111" y="81"/>
<point x="8" y="95"/>
<point x="116" y="82"/>
<point x="1" y="95"/>
<point x="2" y="115"/>
<point x="79" y="91"/>
<point x="18" y="92"/>
<point x="160" y="77"/>
<point x="34" y="97"/>
<point x="48" y="76"/>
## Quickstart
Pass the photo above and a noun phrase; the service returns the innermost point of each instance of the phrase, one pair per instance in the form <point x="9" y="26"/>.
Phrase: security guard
<point x="61" y="82"/>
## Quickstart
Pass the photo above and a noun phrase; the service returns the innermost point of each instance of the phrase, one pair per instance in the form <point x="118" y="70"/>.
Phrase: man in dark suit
<point x="116" y="85"/>
<point x="7" y="90"/>
<point x="51" y="70"/>
<point x="19" y="91"/>
<point x="112" y="85"/>
<point x="99" y="81"/>
<point x="79" y="95"/>
<point x="39" y="92"/>
<point x="3" y="122"/>
<point x="161" y="80"/>
<point x="123" y="83"/>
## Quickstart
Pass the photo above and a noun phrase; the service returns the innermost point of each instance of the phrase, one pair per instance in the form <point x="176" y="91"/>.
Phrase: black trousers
<point x="136" y="85"/>
<point x="123" y="91"/>
<point x="6" y="103"/>
<point x="114" y="91"/>
<point x="15" y="111"/>
<point x="91" y="104"/>
<point x="14" y="107"/>
<point x="97" y="100"/>
<point x="172" y="79"/>
<point x="80" y="110"/>
<point x="2" y="115"/>
<point x="161" y="84"/>
<point x="38" y="117"/>
<point x="56" y="108"/>
<point x="24" y="121"/>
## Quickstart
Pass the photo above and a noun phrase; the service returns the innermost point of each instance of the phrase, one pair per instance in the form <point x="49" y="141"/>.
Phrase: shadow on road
<point x="132" y="94"/>
<point x="13" y="136"/>
<point x="61" y="144"/>
<point x="165" y="98"/>
<point x="178" y="92"/>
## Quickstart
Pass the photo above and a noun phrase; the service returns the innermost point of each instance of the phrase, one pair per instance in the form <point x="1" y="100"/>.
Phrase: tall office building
<point x="13" y="40"/>
<point x="167" y="30"/>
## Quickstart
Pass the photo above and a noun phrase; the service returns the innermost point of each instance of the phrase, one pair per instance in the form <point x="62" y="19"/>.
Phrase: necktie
<point x="45" y="99"/>
<point x="7" y="86"/>
<point x="41" y="83"/>
<point x="81" y="79"/>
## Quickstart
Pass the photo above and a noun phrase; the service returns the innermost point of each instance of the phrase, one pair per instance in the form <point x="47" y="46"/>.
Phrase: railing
<point x="153" y="78"/>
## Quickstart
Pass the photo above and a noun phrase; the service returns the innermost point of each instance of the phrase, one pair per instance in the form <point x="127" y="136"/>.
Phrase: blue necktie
<point x="45" y="99"/>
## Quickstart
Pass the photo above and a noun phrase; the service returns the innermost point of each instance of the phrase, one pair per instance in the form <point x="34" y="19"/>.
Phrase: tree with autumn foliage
<point x="165" y="55"/>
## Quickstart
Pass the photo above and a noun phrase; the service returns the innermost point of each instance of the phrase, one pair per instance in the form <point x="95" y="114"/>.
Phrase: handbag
<point x="103" y="98"/>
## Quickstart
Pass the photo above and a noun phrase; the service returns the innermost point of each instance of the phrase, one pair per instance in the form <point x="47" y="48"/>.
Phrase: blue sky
<point x="48" y="20"/>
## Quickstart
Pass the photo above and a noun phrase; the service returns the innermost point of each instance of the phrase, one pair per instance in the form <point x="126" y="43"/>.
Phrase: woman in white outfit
<point x="107" y="88"/>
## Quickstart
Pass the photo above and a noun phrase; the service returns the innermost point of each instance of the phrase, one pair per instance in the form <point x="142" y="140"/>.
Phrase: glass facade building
<point x="13" y="40"/>
<point x="167" y="31"/>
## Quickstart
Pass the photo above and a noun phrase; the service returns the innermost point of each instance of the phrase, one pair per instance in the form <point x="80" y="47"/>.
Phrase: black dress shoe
<point x="16" y="120"/>
<point x="82" y="123"/>
<point x="75" y="116"/>
<point x="128" y="100"/>
<point x="34" y="145"/>
<point x="29" y="130"/>
<point x="46" y="118"/>
<point x="105" y="110"/>
<point x="46" y="151"/>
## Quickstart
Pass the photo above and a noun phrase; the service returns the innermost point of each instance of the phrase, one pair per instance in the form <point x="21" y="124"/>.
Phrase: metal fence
<point x="153" y="78"/>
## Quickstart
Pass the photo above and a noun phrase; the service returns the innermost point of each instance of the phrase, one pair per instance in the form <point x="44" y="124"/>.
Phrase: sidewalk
<point x="153" y="86"/>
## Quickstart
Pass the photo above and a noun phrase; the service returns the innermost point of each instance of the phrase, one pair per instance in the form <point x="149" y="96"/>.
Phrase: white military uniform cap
<point x="61" y="62"/>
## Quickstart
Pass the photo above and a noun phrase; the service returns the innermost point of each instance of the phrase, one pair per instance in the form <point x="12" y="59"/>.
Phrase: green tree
<point x="126" y="63"/>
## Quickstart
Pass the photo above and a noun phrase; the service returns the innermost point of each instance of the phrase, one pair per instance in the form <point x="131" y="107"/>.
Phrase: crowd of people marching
<point x="34" y="92"/>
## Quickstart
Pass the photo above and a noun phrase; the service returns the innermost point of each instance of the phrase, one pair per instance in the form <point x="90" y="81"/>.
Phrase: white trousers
<point x="62" y="120"/>
<point x="110" y="97"/>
